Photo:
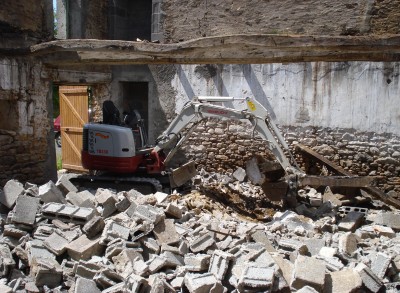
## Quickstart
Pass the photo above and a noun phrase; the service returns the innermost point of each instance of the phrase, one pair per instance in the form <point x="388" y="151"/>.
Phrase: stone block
<point x="369" y="279"/>
<point x="25" y="210"/>
<point x="107" y="199"/>
<point x="93" y="227"/>
<point x="197" y="262"/>
<point x="84" y="248"/>
<point x="86" y="286"/>
<point x="351" y="221"/>
<point x="202" y="283"/>
<point x="388" y="219"/>
<point x="49" y="192"/>
<point x="348" y="243"/>
<point x="219" y="263"/>
<point x="257" y="278"/>
<point x="149" y="213"/>
<point x="308" y="271"/>
<point x="380" y="264"/>
<point x="201" y="243"/>
<point x="165" y="232"/>
<point x="11" y="191"/>
<point x="46" y="271"/>
<point x="65" y="185"/>
<point x="56" y="243"/>
<point x="343" y="281"/>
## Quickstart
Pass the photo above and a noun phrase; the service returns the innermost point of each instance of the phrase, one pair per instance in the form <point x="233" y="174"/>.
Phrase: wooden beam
<point x="374" y="191"/>
<point x="335" y="181"/>
<point x="232" y="49"/>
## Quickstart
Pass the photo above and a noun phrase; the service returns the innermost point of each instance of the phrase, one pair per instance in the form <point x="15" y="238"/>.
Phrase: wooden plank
<point x="74" y="114"/>
<point x="230" y="49"/>
<point x="375" y="192"/>
<point x="335" y="181"/>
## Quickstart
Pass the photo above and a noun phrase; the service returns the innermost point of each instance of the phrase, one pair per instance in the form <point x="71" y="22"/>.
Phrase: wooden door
<point x="74" y="114"/>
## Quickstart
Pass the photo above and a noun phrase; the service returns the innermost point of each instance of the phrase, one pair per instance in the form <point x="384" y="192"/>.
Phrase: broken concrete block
<point x="219" y="263"/>
<point x="343" y="281"/>
<point x="201" y="243"/>
<point x="107" y="199"/>
<point x="202" y="283"/>
<point x="149" y="213"/>
<point x="85" y="269"/>
<point x="257" y="278"/>
<point x="173" y="210"/>
<point x="293" y="245"/>
<point x="124" y="261"/>
<point x="178" y="282"/>
<point x="114" y="230"/>
<point x="65" y="185"/>
<point x="10" y="193"/>
<point x="84" y="248"/>
<point x="49" y="192"/>
<point x="78" y="198"/>
<point x="388" y="219"/>
<point x="197" y="262"/>
<point x="239" y="174"/>
<point x="328" y="251"/>
<point x="36" y="250"/>
<point x="7" y="262"/>
<point x="106" y="278"/>
<point x="380" y="264"/>
<point x="67" y="213"/>
<point x="314" y="245"/>
<point x="261" y="237"/>
<point x="94" y="226"/>
<point x="173" y="259"/>
<point x="56" y="243"/>
<point x="369" y="279"/>
<point x="46" y="271"/>
<point x="25" y="210"/>
<point x="86" y="286"/>
<point x="135" y="283"/>
<point x="161" y="196"/>
<point x="123" y="202"/>
<point x="351" y="221"/>
<point x="253" y="172"/>
<point x="165" y="232"/>
<point x="156" y="263"/>
<point x="308" y="271"/>
<point x="348" y="243"/>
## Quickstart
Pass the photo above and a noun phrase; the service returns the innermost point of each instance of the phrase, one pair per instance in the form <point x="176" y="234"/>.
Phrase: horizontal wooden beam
<point x="232" y="49"/>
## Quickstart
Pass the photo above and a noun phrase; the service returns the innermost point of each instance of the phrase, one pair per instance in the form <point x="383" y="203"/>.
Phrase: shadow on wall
<point x="214" y="72"/>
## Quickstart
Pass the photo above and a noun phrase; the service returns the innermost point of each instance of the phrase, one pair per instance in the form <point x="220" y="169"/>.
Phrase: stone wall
<point x="197" y="18"/>
<point x="25" y="123"/>
<point x="223" y="146"/>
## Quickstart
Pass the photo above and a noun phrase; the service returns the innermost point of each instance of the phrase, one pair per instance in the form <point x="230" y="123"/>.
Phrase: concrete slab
<point x="56" y="243"/>
<point x="380" y="264"/>
<point x="165" y="232"/>
<point x="257" y="278"/>
<point x="369" y="279"/>
<point x="351" y="221"/>
<point x="343" y="281"/>
<point x="308" y="271"/>
<point x="25" y="210"/>
<point x="12" y="189"/>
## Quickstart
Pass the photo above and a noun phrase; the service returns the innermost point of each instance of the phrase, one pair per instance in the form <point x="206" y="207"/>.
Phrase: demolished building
<point x="327" y="72"/>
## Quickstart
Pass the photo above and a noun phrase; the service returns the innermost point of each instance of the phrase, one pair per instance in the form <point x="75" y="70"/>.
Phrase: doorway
<point x="135" y="96"/>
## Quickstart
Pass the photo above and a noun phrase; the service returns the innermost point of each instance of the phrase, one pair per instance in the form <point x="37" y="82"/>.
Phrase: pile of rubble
<point x="55" y="238"/>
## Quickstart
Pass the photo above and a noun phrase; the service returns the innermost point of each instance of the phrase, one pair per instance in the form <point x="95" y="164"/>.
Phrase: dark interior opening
<point x="135" y="96"/>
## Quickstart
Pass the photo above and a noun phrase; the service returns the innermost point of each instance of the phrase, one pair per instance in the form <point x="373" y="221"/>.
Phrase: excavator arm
<point x="201" y="108"/>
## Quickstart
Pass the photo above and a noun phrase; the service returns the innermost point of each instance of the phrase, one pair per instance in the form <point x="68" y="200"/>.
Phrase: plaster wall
<point x="354" y="95"/>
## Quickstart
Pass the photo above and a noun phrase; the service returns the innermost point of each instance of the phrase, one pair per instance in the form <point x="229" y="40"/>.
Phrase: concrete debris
<point x="124" y="242"/>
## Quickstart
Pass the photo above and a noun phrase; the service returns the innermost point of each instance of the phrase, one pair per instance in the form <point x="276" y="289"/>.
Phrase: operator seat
<point x="110" y="113"/>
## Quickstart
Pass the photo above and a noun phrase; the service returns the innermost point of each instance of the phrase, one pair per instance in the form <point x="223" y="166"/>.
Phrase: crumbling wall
<point x="346" y="111"/>
<point x="210" y="18"/>
<point x="25" y="130"/>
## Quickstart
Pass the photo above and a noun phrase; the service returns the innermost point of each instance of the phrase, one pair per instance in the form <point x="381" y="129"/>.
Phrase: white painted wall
<point x="358" y="95"/>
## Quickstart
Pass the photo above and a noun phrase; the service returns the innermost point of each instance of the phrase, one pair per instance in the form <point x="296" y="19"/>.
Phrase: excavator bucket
<point x="183" y="174"/>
